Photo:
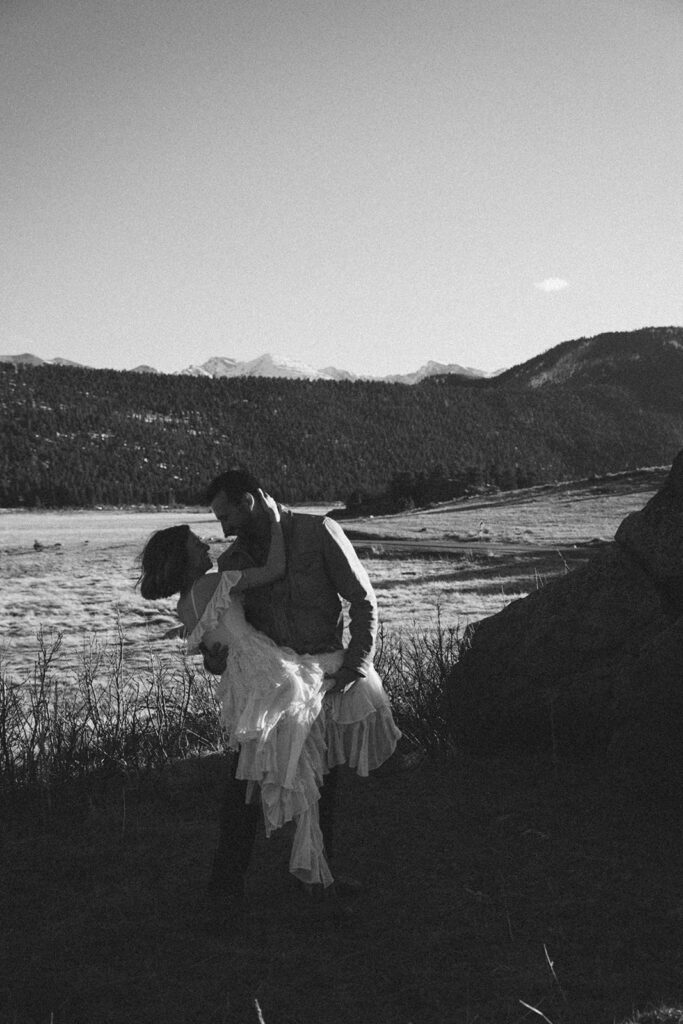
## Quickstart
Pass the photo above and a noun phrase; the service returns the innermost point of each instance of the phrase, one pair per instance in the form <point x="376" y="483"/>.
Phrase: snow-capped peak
<point x="266" y="365"/>
<point x="269" y="365"/>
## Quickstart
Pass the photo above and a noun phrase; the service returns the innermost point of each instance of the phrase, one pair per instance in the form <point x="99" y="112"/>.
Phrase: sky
<point x="368" y="184"/>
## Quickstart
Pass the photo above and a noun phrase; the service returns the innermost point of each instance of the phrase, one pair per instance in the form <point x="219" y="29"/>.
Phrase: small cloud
<point x="552" y="284"/>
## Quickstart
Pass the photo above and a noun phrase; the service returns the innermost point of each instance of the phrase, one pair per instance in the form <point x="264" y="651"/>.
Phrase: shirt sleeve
<point x="353" y="584"/>
<point x="210" y="616"/>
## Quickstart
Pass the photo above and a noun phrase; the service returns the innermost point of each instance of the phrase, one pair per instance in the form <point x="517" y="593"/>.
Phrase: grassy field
<point x="496" y="892"/>
<point x="467" y="559"/>
<point x="547" y="516"/>
<point x="460" y="561"/>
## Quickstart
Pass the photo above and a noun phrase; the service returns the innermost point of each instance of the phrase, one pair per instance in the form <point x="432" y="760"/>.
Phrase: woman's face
<point x="198" y="560"/>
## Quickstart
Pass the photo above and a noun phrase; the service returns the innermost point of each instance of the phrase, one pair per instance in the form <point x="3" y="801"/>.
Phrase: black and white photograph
<point x="341" y="512"/>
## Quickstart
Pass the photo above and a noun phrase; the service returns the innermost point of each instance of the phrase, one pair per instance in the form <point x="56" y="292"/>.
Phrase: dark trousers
<point x="238" y="822"/>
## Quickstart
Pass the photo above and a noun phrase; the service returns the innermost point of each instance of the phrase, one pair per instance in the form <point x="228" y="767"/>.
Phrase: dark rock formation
<point x="592" y="662"/>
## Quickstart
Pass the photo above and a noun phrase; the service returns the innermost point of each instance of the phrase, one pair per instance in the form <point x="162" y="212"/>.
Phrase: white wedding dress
<point x="289" y="731"/>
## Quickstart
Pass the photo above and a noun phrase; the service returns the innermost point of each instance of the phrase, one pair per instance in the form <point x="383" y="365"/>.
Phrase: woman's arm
<point x="274" y="569"/>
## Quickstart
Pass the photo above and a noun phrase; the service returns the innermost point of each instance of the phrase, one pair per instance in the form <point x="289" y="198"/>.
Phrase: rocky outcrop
<point x="592" y="662"/>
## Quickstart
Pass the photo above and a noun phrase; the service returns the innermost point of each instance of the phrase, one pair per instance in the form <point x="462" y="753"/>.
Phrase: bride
<point x="275" y="707"/>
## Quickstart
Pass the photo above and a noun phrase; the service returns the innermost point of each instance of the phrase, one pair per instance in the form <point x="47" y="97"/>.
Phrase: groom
<point x="302" y="611"/>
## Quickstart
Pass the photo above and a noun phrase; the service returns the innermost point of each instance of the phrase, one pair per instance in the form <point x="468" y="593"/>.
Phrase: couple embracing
<point x="295" y="702"/>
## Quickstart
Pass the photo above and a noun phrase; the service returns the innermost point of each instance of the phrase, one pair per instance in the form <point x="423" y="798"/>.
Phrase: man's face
<point x="234" y="518"/>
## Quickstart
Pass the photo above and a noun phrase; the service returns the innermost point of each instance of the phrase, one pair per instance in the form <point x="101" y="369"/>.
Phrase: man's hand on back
<point x="344" y="679"/>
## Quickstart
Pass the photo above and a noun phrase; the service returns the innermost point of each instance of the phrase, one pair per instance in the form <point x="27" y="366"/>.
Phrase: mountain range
<point x="268" y="365"/>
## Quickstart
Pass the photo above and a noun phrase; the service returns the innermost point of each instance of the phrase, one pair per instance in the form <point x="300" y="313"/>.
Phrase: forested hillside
<point x="81" y="437"/>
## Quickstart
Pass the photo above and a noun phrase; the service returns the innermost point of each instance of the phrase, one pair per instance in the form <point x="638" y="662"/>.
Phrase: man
<point x="302" y="611"/>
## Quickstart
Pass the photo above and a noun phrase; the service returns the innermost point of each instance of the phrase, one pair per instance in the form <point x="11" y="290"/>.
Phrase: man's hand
<point x="269" y="506"/>
<point x="215" y="658"/>
<point x="344" y="679"/>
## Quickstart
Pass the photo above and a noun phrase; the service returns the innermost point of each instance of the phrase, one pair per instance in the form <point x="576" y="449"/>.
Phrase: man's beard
<point x="255" y="531"/>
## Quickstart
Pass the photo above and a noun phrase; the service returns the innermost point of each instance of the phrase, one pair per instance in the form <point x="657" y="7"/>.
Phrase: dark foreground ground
<point x="495" y="893"/>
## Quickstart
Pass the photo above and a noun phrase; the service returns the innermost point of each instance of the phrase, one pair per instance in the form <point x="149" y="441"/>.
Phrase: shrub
<point x="108" y="717"/>
<point x="105" y="717"/>
<point x="414" y="668"/>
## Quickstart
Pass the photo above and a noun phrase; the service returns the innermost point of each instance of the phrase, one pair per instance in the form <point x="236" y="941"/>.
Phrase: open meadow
<point x="75" y="572"/>
<point x="494" y="891"/>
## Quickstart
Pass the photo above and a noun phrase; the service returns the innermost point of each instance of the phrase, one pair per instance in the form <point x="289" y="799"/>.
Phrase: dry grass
<point x="496" y="892"/>
<point x="100" y="716"/>
<point x="463" y="559"/>
<point x="552" y="515"/>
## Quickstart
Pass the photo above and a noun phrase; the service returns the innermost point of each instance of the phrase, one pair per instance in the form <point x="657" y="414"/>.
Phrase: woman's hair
<point x="164" y="563"/>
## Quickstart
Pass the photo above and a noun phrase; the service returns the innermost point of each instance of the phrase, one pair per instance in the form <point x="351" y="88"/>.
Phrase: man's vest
<point x="303" y="610"/>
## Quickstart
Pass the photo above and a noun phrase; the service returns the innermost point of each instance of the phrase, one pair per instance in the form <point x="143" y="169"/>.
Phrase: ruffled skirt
<point x="290" y="731"/>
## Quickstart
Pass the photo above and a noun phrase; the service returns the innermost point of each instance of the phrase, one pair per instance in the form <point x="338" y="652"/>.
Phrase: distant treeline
<point x="82" y="437"/>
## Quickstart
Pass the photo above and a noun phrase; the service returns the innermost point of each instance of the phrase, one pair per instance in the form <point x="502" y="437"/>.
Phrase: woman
<point x="271" y="697"/>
